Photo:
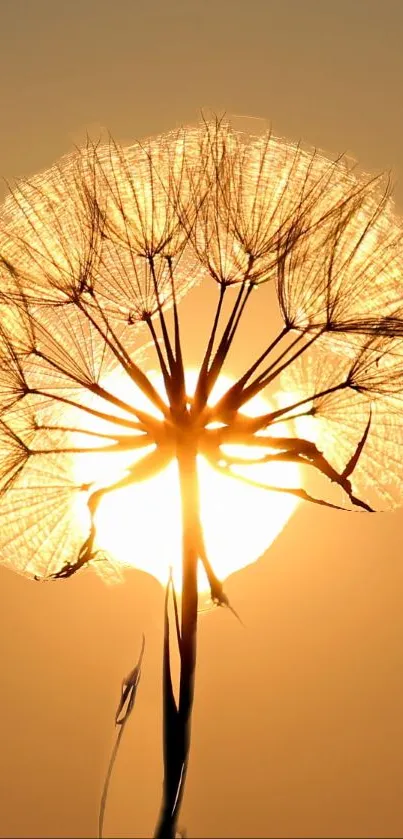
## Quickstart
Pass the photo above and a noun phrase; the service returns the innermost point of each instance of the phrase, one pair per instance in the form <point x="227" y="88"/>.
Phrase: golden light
<point x="140" y="525"/>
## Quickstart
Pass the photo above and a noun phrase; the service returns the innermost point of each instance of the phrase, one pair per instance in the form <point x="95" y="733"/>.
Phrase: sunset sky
<point x="298" y="725"/>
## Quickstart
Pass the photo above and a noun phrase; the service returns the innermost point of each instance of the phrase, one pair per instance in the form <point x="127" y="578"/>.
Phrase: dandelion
<point x="95" y="256"/>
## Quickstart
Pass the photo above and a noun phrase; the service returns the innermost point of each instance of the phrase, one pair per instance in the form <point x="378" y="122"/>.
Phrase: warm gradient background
<point x="298" y="727"/>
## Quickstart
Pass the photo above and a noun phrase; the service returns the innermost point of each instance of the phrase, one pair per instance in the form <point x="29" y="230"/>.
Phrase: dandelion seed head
<point x="94" y="254"/>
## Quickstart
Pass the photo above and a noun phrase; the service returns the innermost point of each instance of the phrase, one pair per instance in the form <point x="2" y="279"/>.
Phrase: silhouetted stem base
<point x="177" y="717"/>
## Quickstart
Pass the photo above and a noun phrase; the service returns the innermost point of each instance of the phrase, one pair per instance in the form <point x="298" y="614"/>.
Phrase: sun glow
<point x="140" y="525"/>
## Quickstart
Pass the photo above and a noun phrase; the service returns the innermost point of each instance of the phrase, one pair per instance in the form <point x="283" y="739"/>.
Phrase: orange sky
<point x="298" y="725"/>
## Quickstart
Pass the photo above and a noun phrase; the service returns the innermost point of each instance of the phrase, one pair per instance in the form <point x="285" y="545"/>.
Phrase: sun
<point x="140" y="526"/>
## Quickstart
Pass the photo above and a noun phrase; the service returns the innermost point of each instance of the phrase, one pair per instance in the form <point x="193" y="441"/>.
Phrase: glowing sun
<point x="140" y="525"/>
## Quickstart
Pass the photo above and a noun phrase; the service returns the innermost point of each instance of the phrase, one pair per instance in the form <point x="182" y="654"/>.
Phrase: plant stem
<point x="177" y="718"/>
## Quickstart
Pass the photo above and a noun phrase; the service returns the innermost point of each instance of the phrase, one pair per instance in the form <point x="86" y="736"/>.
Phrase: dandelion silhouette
<point x="95" y="256"/>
